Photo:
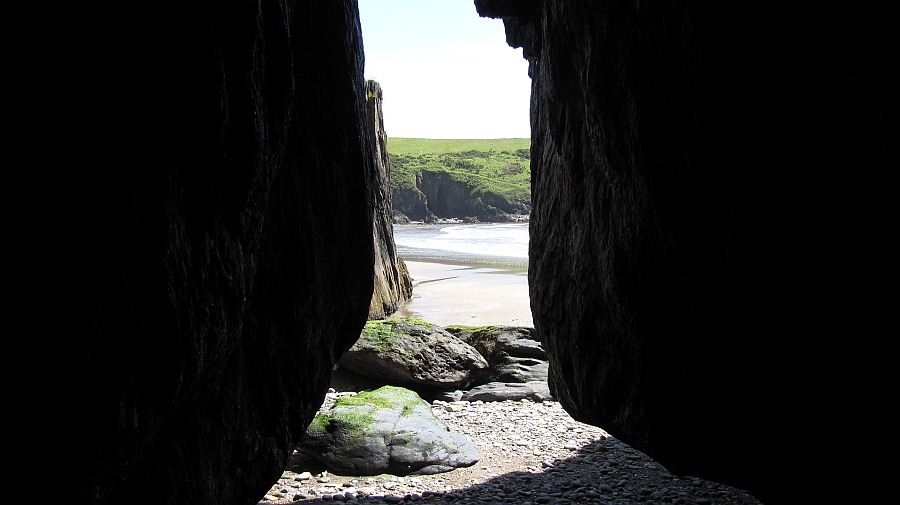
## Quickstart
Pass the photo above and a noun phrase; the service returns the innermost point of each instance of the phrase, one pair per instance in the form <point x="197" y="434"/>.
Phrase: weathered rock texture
<point x="437" y="195"/>
<point x="393" y="285"/>
<point x="388" y="430"/>
<point x="537" y="391"/>
<point x="413" y="353"/>
<point x="513" y="353"/>
<point x="203" y="169"/>
<point x="708" y="236"/>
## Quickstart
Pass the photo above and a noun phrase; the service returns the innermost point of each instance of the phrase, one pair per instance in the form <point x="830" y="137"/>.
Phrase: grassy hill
<point x="500" y="166"/>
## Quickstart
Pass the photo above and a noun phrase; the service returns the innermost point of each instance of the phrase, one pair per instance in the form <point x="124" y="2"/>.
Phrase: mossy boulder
<point x="514" y="354"/>
<point x="388" y="430"/>
<point x="413" y="353"/>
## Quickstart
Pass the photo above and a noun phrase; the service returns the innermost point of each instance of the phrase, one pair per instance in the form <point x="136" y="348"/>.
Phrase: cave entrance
<point x="455" y="104"/>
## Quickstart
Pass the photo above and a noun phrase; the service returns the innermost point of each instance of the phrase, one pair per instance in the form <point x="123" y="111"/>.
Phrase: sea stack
<point x="393" y="285"/>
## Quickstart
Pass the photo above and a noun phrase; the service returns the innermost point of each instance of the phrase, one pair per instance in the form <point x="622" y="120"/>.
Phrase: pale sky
<point x="446" y="73"/>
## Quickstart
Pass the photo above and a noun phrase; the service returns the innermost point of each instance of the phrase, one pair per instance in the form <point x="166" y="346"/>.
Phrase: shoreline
<point x="470" y="294"/>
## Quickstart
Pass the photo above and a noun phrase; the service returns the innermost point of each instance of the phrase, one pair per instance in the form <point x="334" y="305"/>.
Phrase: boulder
<point x="538" y="391"/>
<point x="413" y="353"/>
<point x="491" y="340"/>
<point x="400" y="218"/>
<point x="388" y="430"/>
<point x="514" y="369"/>
<point x="514" y="354"/>
<point x="520" y="347"/>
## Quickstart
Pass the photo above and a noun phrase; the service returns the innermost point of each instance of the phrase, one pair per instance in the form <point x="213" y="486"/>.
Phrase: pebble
<point x="532" y="453"/>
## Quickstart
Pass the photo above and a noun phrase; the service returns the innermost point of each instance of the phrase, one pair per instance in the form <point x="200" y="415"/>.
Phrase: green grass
<point x="499" y="166"/>
<point x="443" y="146"/>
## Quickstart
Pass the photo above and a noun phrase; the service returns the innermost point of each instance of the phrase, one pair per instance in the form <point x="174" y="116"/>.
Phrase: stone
<point x="517" y="369"/>
<point x="448" y="396"/>
<point x="514" y="353"/>
<point x="412" y="353"/>
<point x="537" y="391"/>
<point x="389" y="430"/>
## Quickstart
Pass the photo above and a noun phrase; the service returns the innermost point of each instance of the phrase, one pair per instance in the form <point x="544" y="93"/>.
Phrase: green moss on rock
<point x="473" y="329"/>
<point x="380" y="332"/>
<point x="320" y="422"/>
<point x="353" y="420"/>
<point x="383" y="398"/>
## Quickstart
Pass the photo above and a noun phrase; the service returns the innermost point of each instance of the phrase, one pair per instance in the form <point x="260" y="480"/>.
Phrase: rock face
<point x="514" y="354"/>
<point x="388" y="430"/>
<point x="206" y="177"/>
<point x="709" y="214"/>
<point x="411" y="204"/>
<point x="437" y="195"/>
<point x="393" y="285"/>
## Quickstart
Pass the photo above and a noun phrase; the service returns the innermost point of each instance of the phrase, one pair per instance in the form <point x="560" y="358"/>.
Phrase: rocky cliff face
<point x="393" y="285"/>
<point x="200" y="202"/>
<point x="710" y="211"/>
<point x="437" y="195"/>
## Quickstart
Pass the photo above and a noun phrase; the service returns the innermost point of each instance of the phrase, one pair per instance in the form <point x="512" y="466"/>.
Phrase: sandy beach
<point x="468" y="294"/>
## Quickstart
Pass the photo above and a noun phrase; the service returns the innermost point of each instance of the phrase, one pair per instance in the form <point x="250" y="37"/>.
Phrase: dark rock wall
<point x="710" y="199"/>
<point x="448" y="198"/>
<point x="393" y="285"/>
<point x="411" y="203"/>
<point x="437" y="195"/>
<point x="198" y="194"/>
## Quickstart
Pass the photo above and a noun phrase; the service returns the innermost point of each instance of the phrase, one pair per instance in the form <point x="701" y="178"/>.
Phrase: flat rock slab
<point x="389" y="430"/>
<point x="519" y="370"/>
<point x="537" y="391"/>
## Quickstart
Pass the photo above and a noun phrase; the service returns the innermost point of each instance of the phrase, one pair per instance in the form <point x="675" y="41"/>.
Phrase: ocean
<point x="466" y="274"/>
<point x="499" y="244"/>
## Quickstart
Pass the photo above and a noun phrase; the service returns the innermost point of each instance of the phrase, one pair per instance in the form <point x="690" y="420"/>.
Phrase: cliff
<point x="474" y="180"/>
<point x="708" y="237"/>
<point x="438" y="195"/>
<point x="393" y="285"/>
<point x="199" y="211"/>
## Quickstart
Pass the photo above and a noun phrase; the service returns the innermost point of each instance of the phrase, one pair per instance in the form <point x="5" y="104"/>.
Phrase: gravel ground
<point x="530" y="453"/>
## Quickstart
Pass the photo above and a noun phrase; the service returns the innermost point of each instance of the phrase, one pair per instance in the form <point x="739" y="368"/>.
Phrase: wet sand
<point x="468" y="294"/>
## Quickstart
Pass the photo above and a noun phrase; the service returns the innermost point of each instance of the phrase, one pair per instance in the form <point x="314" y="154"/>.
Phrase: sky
<point x="445" y="72"/>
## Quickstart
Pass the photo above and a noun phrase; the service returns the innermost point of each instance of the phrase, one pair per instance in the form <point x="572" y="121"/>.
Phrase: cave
<point x="711" y="260"/>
